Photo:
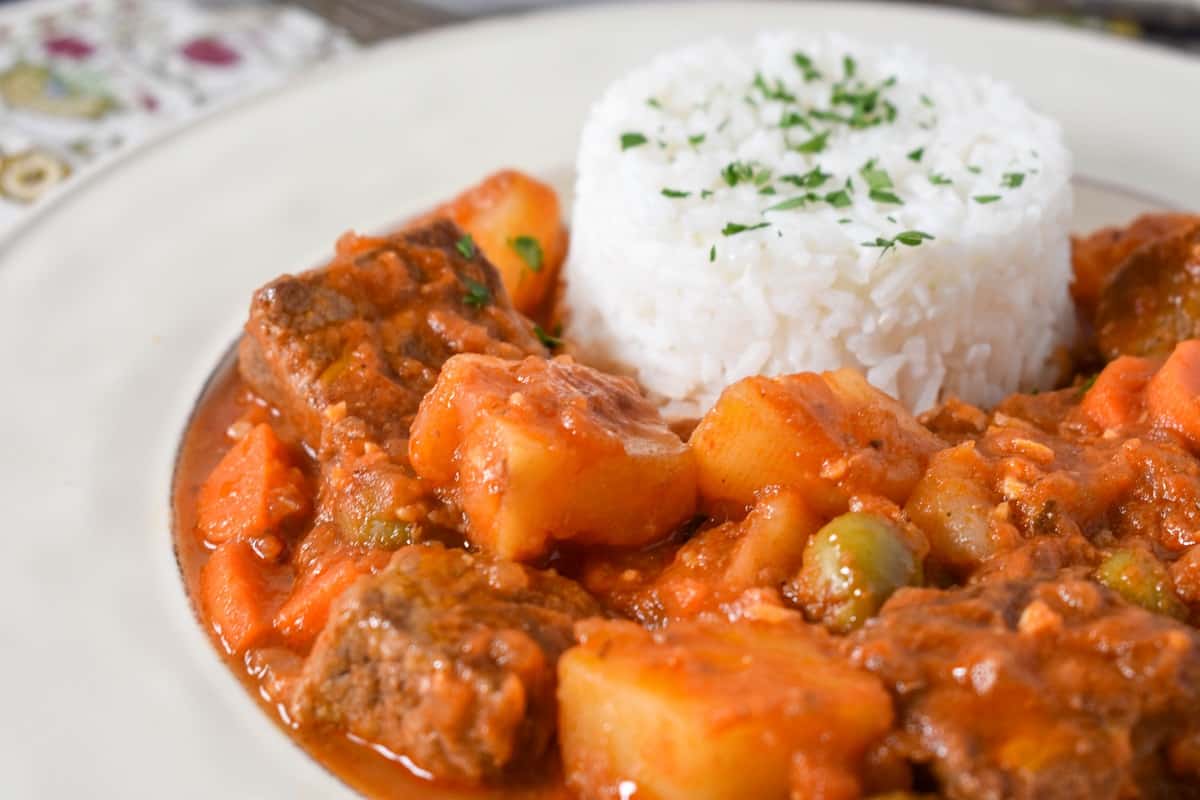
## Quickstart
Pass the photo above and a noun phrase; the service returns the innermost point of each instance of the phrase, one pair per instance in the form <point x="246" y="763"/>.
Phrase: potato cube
<point x="537" y="451"/>
<point x="829" y="436"/>
<point x="711" y="710"/>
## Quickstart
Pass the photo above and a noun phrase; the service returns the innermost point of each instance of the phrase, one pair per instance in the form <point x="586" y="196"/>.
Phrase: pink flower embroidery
<point x="68" y="47"/>
<point x="210" y="50"/>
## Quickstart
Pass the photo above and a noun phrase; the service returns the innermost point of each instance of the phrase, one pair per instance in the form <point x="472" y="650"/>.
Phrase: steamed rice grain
<point x="659" y="287"/>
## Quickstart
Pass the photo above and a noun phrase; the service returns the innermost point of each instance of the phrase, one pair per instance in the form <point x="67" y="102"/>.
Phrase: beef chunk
<point x="1040" y="690"/>
<point x="373" y="328"/>
<point x="347" y="351"/>
<point x="448" y="658"/>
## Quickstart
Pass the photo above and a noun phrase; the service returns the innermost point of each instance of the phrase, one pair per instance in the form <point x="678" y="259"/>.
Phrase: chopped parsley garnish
<point x="465" y="246"/>
<point x="925" y="101"/>
<point x="849" y="66"/>
<point x="877" y="179"/>
<point x="737" y="171"/>
<point x="734" y="228"/>
<point x="974" y="170"/>
<point x="767" y="190"/>
<point x="1011" y="180"/>
<point x="939" y="180"/>
<point x="805" y="64"/>
<point x="885" y="196"/>
<point x="712" y="253"/>
<point x="696" y="139"/>
<point x="809" y="180"/>
<point x="478" y="295"/>
<point x="777" y="92"/>
<point x="653" y="103"/>
<point x="632" y="139"/>
<point x="791" y="119"/>
<point x="529" y="250"/>
<point x="838" y="199"/>
<point x="845" y="221"/>
<point x="799" y="201"/>
<point x="984" y="199"/>
<point x="705" y="194"/>
<point x="917" y="155"/>
<point x="814" y="145"/>
<point x="906" y="238"/>
<point x="674" y="193"/>
<point x="550" y="342"/>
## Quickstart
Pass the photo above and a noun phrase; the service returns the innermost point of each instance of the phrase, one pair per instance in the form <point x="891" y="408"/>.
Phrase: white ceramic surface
<point x="115" y="306"/>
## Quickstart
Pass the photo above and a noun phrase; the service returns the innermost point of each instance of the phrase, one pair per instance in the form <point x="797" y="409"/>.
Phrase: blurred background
<point x="83" y="82"/>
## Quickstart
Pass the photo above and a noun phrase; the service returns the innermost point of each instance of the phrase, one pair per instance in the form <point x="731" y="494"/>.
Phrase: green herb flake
<point x="974" y="170"/>
<point x="793" y="202"/>
<point x="705" y="194"/>
<point x="653" y="103"/>
<point x="478" y="295"/>
<point x="885" y="196"/>
<point x="792" y="119"/>
<point x="805" y="64"/>
<point x="696" y="139"/>
<point x="838" y="199"/>
<point x="810" y="180"/>
<point x="712" y="254"/>
<point x="984" y="199"/>
<point x="849" y="66"/>
<point x="917" y="155"/>
<point x="845" y="221"/>
<point x="814" y="145"/>
<point x="632" y="139"/>
<point x="1012" y="180"/>
<point x="877" y="179"/>
<point x="675" y="193"/>
<point x="777" y="92"/>
<point x="550" y="342"/>
<point x="925" y="101"/>
<point x="465" y="246"/>
<point x="913" y="238"/>
<point x="737" y="171"/>
<point x="734" y="228"/>
<point x="529" y="250"/>
<point x="939" y="180"/>
<point x="767" y="190"/>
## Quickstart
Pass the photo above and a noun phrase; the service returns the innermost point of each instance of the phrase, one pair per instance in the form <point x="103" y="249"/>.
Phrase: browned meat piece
<point x="347" y="351"/>
<point x="1097" y="256"/>
<point x="448" y="658"/>
<point x="373" y="328"/>
<point x="1153" y="302"/>
<point x="1040" y="690"/>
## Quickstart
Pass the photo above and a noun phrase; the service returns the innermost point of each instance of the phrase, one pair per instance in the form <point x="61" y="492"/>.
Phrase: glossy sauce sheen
<point x="224" y="401"/>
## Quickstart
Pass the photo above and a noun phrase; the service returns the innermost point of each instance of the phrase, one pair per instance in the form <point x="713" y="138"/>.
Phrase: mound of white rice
<point x="919" y="230"/>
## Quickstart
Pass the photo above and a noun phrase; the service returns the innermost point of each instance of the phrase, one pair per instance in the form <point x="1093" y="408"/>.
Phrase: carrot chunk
<point x="252" y="490"/>
<point x="1173" y="396"/>
<point x="304" y="614"/>
<point x="1117" y="398"/>
<point x="235" y="590"/>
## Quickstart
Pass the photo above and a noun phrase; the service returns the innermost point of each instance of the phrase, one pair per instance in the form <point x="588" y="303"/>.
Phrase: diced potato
<point x="542" y="450"/>
<point x="828" y="435"/>
<point x="713" y="570"/>
<point x="710" y="711"/>
<point x="515" y="221"/>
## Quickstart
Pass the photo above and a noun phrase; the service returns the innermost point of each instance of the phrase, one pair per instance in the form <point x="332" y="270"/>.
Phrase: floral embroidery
<point x="80" y="84"/>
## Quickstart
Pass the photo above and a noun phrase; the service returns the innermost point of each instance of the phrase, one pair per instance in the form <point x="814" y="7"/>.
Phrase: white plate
<point x="115" y="306"/>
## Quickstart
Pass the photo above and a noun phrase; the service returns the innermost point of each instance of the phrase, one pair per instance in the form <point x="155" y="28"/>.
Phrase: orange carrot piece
<point x="235" y="592"/>
<point x="1173" y="396"/>
<point x="305" y="613"/>
<point x="1118" y="395"/>
<point x="252" y="490"/>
